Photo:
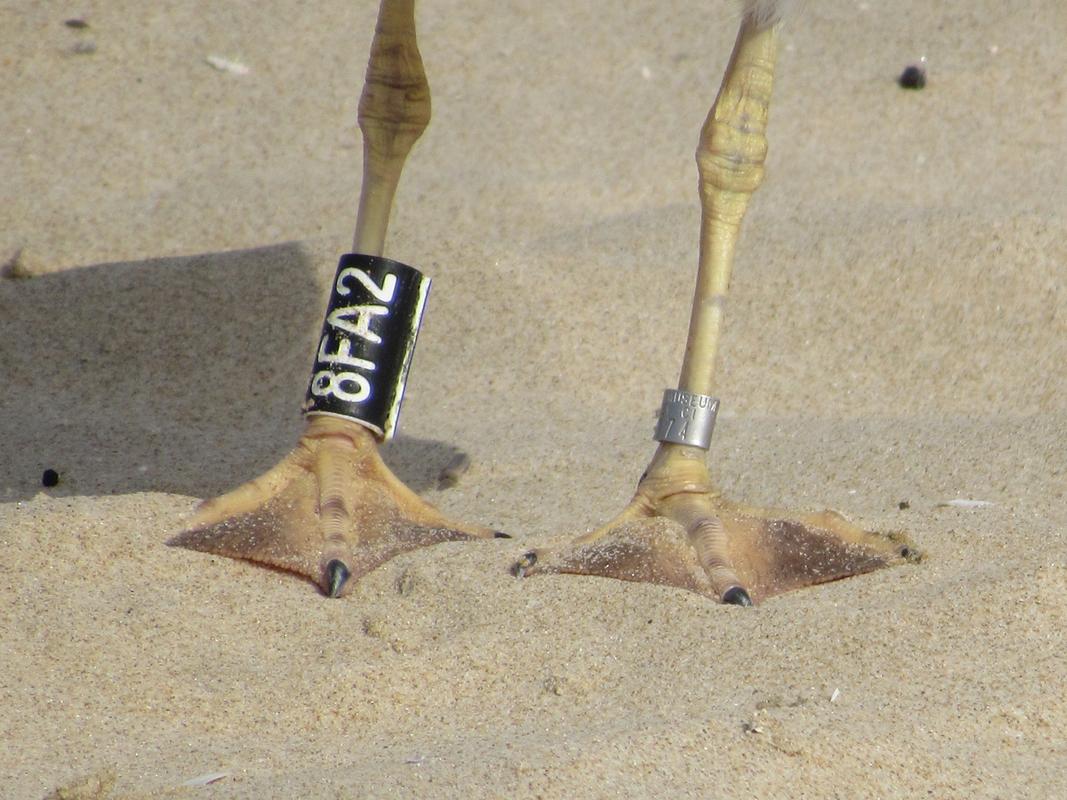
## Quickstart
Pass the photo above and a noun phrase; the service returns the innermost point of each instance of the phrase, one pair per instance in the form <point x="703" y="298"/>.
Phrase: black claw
<point x="501" y="535"/>
<point x="911" y="554"/>
<point x="338" y="573"/>
<point x="736" y="596"/>
<point x="524" y="563"/>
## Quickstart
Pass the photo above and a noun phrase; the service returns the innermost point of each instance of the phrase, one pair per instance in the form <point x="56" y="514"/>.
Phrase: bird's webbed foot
<point x="330" y="510"/>
<point x="679" y="532"/>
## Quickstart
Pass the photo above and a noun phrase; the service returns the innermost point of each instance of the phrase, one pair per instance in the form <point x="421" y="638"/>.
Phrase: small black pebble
<point x="913" y="77"/>
<point x="77" y="24"/>
<point x="903" y="505"/>
<point x="501" y="535"/>
<point x="50" y="478"/>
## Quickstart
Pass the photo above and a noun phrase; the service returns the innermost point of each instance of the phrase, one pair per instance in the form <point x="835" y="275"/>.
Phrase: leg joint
<point x="732" y="151"/>
<point x="394" y="109"/>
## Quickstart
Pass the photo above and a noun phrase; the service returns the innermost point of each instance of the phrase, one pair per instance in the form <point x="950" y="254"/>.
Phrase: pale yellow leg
<point x="733" y="145"/>
<point x="767" y="546"/>
<point x="730" y="155"/>
<point x="394" y="110"/>
<point x="331" y="510"/>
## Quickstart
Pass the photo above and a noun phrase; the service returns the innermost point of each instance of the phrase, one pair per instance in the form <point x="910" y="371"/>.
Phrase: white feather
<point x="962" y="502"/>
<point x="206" y="780"/>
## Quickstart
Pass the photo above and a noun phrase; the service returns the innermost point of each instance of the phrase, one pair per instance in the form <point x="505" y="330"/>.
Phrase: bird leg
<point x="331" y="510"/>
<point x="678" y="530"/>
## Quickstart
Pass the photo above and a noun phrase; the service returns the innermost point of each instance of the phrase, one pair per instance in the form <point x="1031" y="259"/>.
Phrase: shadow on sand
<point x="180" y="375"/>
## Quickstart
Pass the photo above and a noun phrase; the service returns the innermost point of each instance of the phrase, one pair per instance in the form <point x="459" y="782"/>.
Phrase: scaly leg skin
<point x="331" y="510"/>
<point x="677" y="530"/>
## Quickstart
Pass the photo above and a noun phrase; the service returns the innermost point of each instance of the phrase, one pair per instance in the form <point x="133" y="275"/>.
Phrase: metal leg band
<point x="687" y="418"/>
<point x="368" y="337"/>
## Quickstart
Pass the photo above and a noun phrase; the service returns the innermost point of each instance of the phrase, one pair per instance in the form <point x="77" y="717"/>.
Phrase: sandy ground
<point x="896" y="338"/>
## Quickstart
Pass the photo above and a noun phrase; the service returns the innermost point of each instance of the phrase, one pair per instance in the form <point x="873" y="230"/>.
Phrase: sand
<point x="896" y="339"/>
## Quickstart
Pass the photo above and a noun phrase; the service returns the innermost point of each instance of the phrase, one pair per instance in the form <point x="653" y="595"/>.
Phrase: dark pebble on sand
<point x="50" y="478"/>
<point x="913" y="77"/>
